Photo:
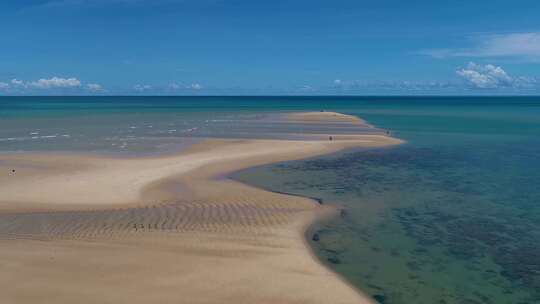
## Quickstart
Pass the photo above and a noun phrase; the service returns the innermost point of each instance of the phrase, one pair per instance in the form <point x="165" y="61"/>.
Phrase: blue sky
<point x="185" y="47"/>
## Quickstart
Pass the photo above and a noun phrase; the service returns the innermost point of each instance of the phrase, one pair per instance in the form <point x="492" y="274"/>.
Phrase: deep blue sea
<point x="452" y="216"/>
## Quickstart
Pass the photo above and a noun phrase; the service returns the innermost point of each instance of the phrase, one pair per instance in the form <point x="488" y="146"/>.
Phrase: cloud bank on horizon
<point x="53" y="83"/>
<point x="187" y="47"/>
<point x="474" y="77"/>
<point x="493" y="77"/>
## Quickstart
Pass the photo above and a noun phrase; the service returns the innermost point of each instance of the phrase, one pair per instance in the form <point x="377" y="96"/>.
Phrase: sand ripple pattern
<point x="243" y="215"/>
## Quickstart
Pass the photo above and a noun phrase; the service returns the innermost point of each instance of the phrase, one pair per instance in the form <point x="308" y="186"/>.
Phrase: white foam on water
<point x="11" y="138"/>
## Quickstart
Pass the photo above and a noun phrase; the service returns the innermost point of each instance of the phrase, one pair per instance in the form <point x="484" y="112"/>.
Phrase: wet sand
<point x="95" y="229"/>
<point x="325" y="117"/>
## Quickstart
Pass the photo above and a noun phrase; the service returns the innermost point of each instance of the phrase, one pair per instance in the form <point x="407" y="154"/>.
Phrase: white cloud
<point x="52" y="84"/>
<point x="360" y="86"/>
<point x="17" y="83"/>
<point x="142" y="87"/>
<point x="180" y="86"/>
<point x="522" y="45"/>
<point x="306" y="88"/>
<point x="175" y="86"/>
<point x="526" y="82"/>
<point x="519" y="44"/>
<point x="56" y="82"/>
<point x="492" y="77"/>
<point x="94" y="87"/>
<point x="195" y="86"/>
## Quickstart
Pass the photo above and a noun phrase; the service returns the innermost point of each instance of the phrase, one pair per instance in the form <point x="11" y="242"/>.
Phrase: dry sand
<point x="168" y="229"/>
<point x="325" y="117"/>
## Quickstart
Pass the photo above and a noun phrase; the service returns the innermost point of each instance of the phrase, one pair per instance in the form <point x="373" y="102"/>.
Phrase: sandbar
<point x="166" y="229"/>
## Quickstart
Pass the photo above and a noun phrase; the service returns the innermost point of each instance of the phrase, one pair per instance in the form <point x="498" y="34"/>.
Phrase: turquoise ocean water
<point x="452" y="216"/>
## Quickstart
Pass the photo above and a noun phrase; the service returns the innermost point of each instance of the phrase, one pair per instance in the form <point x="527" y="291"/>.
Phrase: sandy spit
<point x="168" y="229"/>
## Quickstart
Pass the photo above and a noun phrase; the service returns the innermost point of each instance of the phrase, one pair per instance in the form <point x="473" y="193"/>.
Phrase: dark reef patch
<point x="429" y="224"/>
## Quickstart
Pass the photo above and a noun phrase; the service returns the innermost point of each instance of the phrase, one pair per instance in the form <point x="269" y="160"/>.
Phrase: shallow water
<point x="147" y="125"/>
<point x="453" y="216"/>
